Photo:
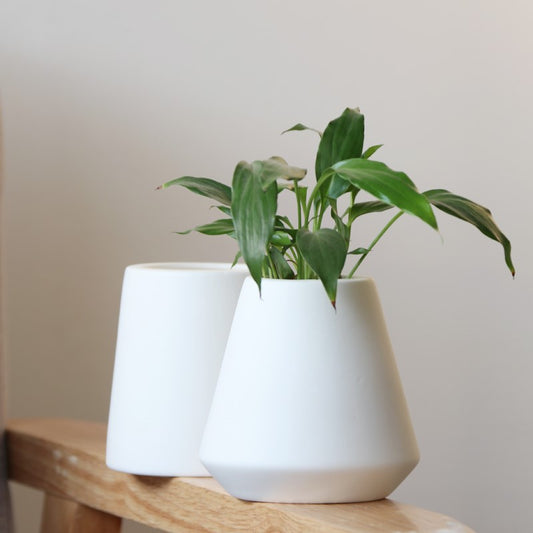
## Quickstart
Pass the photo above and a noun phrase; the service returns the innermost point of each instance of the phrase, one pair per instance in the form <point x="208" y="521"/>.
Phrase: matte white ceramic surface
<point x="173" y="327"/>
<point x="309" y="406"/>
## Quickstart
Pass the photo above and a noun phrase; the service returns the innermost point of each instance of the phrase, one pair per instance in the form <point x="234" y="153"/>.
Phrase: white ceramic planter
<point x="309" y="407"/>
<point x="173" y="327"/>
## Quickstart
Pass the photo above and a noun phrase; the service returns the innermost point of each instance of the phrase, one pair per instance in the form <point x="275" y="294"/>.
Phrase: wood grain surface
<point x="66" y="458"/>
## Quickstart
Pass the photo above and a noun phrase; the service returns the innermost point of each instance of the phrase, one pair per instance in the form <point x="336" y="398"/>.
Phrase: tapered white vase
<point x="309" y="407"/>
<point x="173" y="327"/>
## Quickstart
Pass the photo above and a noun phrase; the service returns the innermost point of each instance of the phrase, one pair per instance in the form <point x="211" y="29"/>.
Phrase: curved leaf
<point x="254" y="212"/>
<point x="364" y="208"/>
<point x="325" y="251"/>
<point x="203" y="186"/>
<point x="224" y="226"/>
<point x="475" y="214"/>
<point x="369" y="152"/>
<point x="302" y="127"/>
<point x="276" y="168"/>
<point x="392" y="187"/>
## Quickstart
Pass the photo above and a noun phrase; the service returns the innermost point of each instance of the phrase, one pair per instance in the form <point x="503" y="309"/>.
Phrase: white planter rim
<point x="341" y="281"/>
<point x="185" y="266"/>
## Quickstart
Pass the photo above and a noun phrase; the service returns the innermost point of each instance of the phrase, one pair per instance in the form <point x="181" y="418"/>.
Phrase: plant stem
<point x="298" y="203"/>
<point x="314" y="192"/>
<point x="275" y="273"/>
<point x="375" y="241"/>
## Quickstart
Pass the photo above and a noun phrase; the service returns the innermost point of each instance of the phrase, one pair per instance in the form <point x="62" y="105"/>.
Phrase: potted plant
<point x="308" y="405"/>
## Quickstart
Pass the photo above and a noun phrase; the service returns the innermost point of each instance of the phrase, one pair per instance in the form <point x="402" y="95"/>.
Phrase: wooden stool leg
<point x="65" y="516"/>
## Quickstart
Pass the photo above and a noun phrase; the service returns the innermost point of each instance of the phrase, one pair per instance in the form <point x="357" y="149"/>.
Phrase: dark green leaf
<point x="283" y="269"/>
<point x="224" y="226"/>
<point x="301" y="127"/>
<point x="392" y="187"/>
<point x="363" y="208"/>
<point x="369" y="152"/>
<point x="254" y="211"/>
<point x="325" y="252"/>
<point x="204" y="186"/>
<point x="473" y="213"/>
<point x="343" y="139"/>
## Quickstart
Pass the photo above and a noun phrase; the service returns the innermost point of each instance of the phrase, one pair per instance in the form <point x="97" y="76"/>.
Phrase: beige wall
<point x="103" y="100"/>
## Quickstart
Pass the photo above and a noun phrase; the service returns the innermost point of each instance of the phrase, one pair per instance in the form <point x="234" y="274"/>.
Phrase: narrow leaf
<point x="224" y="209"/>
<point x="369" y="152"/>
<point x="224" y="226"/>
<point x="473" y="213"/>
<point x="238" y="255"/>
<point x="325" y="251"/>
<point x="254" y="212"/>
<point x="203" y="186"/>
<point x="301" y="127"/>
<point x="392" y="187"/>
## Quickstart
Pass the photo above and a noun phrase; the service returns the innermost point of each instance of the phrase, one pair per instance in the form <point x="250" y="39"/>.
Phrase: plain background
<point x="104" y="100"/>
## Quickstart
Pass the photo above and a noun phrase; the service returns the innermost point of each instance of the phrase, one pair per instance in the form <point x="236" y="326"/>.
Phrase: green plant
<point x="275" y="247"/>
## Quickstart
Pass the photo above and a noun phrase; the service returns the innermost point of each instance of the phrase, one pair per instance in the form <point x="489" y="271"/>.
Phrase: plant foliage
<point x="274" y="247"/>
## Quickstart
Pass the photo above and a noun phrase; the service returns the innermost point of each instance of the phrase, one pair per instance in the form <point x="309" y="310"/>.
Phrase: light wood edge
<point x="65" y="516"/>
<point x="66" y="458"/>
<point x="6" y="518"/>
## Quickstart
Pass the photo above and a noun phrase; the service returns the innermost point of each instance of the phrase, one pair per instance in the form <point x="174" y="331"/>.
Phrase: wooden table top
<point x="66" y="458"/>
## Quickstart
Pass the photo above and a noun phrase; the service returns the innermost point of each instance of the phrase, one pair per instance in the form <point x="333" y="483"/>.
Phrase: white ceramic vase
<point x="173" y="327"/>
<point x="309" y="407"/>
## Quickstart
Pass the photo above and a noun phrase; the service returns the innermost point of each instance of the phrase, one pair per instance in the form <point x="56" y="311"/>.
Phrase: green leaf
<point x="392" y="187"/>
<point x="283" y="220"/>
<point x="276" y="168"/>
<point x="224" y="226"/>
<point x="281" y="238"/>
<point x="364" y="208"/>
<point x="238" y="255"/>
<point x="473" y="213"/>
<point x="301" y="127"/>
<point x="224" y="209"/>
<point x="283" y="269"/>
<point x="369" y="152"/>
<point x="254" y="212"/>
<point x="343" y="139"/>
<point x="359" y="251"/>
<point x="325" y="252"/>
<point x="203" y="186"/>
<point x="342" y="228"/>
